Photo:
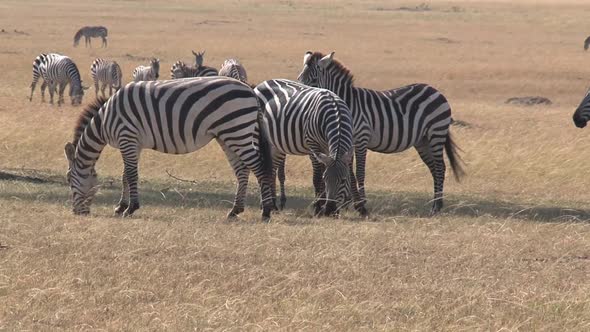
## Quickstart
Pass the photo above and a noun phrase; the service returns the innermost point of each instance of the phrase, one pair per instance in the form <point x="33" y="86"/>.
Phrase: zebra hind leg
<point x="318" y="185"/>
<point x="43" y="87"/>
<point x="242" y="173"/>
<point x="432" y="155"/>
<point x="281" y="176"/>
<point x="360" y="159"/>
<point x="124" y="201"/>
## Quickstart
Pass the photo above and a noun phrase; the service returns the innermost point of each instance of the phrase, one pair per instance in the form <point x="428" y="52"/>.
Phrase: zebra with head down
<point x="91" y="32"/>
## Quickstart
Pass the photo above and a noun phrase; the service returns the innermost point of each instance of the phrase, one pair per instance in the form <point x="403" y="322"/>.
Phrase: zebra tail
<point x="264" y="148"/>
<point x="454" y="158"/>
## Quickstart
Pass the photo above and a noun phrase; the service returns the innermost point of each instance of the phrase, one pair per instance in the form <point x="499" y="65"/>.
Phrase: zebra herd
<point x="322" y="115"/>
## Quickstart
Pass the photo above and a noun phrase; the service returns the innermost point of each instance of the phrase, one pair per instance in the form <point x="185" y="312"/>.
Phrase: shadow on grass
<point x="219" y="196"/>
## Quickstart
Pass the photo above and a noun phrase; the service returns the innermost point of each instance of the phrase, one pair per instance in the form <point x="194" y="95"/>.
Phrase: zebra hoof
<point x="235" y="211"/>
<point x="282" y="203"/>
<point x="132" y="208"/>
<point x="121" y="208"/>
<point x="266" y="214"/>
<point x="362" y="210"/>
<point x="436" y="207"/>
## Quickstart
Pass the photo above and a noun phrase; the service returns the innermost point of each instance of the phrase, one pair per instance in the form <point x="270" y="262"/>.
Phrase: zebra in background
<point x="586" y="43"/>
<point x="108" y="73"/>
<point x="181" y="70"/>
<point x="91" y="32"/>
<point x="416" y="116"/>
<point x="173" y="117"/>
<point x="39" y="65"/>
<point x="58" y="71"/>
<point x="147" y="73"/>
<point x="582" y="113"/>
<point x="234" y="69"/>
<point x="301" y="120"/>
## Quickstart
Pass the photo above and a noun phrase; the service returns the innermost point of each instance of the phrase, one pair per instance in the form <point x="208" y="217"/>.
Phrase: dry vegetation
<point x="511" y="251"/>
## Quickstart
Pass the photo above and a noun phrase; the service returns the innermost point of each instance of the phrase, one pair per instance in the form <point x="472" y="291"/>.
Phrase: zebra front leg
<point x="124" y="201"/>
<point x="433" y="158"/>
<point x="130" y="153"/>
<point x="360" y="159"/>
<point x="62" y="88"/>
<point x="318" y="185"/>
<point x="43" y="87"/>
<point x="51" y="88"/>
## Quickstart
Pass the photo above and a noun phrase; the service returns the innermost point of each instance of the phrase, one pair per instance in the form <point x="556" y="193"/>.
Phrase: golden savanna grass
<point x="511" y="250"/>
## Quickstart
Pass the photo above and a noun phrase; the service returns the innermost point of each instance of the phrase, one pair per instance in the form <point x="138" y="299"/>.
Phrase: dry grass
<point x="511" y="251"/>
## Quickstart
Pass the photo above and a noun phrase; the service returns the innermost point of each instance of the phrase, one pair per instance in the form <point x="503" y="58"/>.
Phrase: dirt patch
<point x="460" y="123"/>
<point x="14" y="32"/>
<point x="137" y="57"/>
<point x="528" y="101"/>
<point x="444" y="40"/>
<point x="214" y="22"/>
<point x="423" y="7"/>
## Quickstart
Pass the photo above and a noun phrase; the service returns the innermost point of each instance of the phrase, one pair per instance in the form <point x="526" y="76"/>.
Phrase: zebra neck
<point x="90" y="146"/>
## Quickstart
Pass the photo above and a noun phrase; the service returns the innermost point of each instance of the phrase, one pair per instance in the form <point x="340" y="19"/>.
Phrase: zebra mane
<point x="89" y="112"/>
<point x="337" y="65"/>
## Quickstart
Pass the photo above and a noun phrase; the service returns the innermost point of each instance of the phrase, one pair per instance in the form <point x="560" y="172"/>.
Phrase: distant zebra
<point x="58" y="71"/>
<point x="147" y="73"/>
<point x="302" y="120"/>
<point x="173" y="117"/>
<point x="416" y="115"/>
<point x="91" y="32"/>
<point x="586" y="43"/>
<point x="234" y="69"/>
<point x="181" y="70"/>
<point x="582" y="113"/>
<point x="39" y="66"/>
<point x="106" y="72"/>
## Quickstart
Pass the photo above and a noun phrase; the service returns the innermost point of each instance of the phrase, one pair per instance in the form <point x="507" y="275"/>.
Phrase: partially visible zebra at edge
<point x="91" y="32"/>
<point x="108" y="73"/>
<point x="234" y="69"/>
<point x="182" y="70"/>
<point x="172" y="117"/>
<point x="416" y="115"/>
<point x="147" y="73"/>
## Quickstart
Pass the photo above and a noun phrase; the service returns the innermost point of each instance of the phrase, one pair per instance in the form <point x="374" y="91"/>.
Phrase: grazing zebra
<point x="182" y="70"/>
<point x="147" y="73"/>
<point x="234" y="69"/>
<point x="91" y="32"/>
<point x="108" y="73"/>
<point x="302" y="120"/>
<point x="174" y="117"/>
<point x="58" y="71"/>
<point x="39" y="65"/>
<point x="416" y="115"/>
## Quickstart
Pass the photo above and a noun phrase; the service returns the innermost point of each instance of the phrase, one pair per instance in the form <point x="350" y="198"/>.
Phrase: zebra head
<point x="199" y="58"/>
<point x="582" y="113"/>
<point x="155" y="63"/>
<point x="313" y="68"/>
<point x="77" y="93"/>
<point x="337" y="181"/>
<point x="116" y="74"/>
<point x="83" y="187"/>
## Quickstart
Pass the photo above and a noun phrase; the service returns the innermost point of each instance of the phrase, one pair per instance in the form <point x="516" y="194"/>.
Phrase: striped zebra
<point x="173" y="117"/>
<point x="416" y="116"/>
<point x="39" y="65"/>
<point x="582" y="113"/>
<point x="106" y="72"/>
<point x="91" y="32"/>
<point x="181" y="70"/>
<point x="147" y="73"/>
<point x="58" y="71"/>
<point x="234" y="69"/>
<point x="301" y="120"/>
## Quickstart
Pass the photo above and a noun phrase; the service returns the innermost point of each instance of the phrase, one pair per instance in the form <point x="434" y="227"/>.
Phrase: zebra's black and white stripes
<point x="181" y="70"/>
<point x="234" y="69"/>
<point x="147" y="73"/>
<point x="174" y="117"/>
<point x="108" y="73"/>
<point x="91" y="32"/>
<point x="416" y="115"/>
<point x="302" y="120"/>
<point x="58" y="71"/>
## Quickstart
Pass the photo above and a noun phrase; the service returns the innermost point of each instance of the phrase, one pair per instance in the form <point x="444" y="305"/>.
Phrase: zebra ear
<point x="325" y="61"/>
<point x="70" y="151"/>
<point x="323" y="158"/>
<point x="306" y="57"/>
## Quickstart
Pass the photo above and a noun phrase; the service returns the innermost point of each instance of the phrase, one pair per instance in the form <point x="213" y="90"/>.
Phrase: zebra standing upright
<point x="58" y="71"/>
<point x="106" y="72"/>
<point x="39" y="66"/>
<point x="147" y="73"/>
<point x="302" y="120"/>
<point x="181" y="70"/>
<point x="234" y="69"/>
<point x="174" y="117"/>
<point x="416" y="115"/>
<point x="91" y="32"/>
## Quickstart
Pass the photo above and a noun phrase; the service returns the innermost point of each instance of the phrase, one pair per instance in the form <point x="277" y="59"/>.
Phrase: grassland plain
<point x="511" y="250"/>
